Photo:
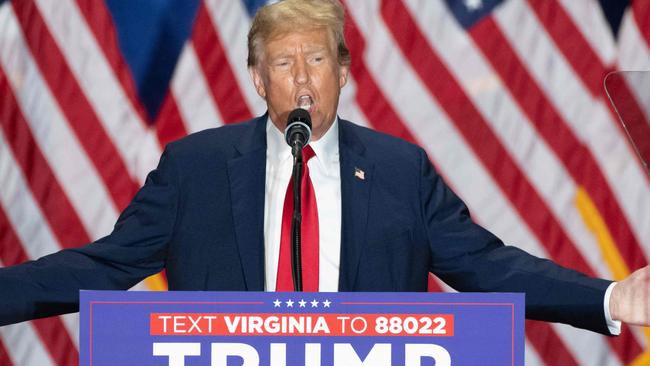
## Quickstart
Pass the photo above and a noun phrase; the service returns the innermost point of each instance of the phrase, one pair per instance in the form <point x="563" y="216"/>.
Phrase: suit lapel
<point x="356" y="181"/>
<point x="247" y="176"/>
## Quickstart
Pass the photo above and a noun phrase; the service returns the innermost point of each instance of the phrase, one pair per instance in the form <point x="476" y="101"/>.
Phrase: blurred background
<point x="507" y="98"/>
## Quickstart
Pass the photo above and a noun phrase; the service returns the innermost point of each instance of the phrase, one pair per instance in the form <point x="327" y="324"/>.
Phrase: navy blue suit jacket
<point x="200" y="216"/>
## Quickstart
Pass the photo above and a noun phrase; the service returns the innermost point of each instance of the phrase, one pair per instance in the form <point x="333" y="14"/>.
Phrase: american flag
<point x="506" y="97"/>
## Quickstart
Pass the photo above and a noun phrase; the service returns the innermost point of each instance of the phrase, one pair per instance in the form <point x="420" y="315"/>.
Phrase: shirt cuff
<point x="614" y="326"/>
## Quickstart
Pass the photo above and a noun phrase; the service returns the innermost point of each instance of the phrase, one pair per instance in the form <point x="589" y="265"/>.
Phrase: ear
<point x="344" y="72"/>
<point x="258" y="81"/>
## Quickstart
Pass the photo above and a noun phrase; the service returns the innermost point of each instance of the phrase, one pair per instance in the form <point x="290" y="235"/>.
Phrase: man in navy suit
<point x="210" y="212"/>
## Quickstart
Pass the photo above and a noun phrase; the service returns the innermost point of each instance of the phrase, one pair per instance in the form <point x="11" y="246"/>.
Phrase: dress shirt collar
<point x="326" y="148"/>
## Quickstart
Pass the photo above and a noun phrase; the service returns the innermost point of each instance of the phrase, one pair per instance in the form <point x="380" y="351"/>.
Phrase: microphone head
<point x="298" y="127"/>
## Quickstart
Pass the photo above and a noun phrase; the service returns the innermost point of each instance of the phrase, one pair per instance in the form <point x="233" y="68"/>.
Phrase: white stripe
<point x="588" y="348"/>
<point x="192" y="95"/>
<point x="639" y="84"/>
<point x="530" y="355"/>
<point x="136" y="144"/>
<point x="588" y="17"/>
<point x="21" y="208"/>
<point x="513" y="129"/>
<point x="24" y="346"/>
<point x="585" y="116"/>
<point x="69" y="163"/>
<point x="633" y="54"/>
<point x="435" y="132"/>
<point x="231" y="23"/>
<point x="348" y="107"/>
<point x="71" y="323"/>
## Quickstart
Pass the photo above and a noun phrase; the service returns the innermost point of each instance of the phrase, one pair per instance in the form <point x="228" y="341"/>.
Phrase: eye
<point x="317" y="59"/>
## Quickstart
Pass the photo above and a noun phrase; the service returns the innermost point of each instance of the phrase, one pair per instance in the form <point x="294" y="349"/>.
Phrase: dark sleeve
<point x="470" y="258"/>
<point x="134" y="250"/>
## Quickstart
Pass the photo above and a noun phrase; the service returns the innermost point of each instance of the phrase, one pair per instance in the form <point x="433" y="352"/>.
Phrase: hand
<point x="630" y="300"/>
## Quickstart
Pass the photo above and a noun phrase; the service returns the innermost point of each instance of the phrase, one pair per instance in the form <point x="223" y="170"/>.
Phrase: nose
<point x="301" y="72"/>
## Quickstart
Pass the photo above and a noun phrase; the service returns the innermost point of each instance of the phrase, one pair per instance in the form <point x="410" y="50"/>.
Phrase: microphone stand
<point x="296" y="259"/>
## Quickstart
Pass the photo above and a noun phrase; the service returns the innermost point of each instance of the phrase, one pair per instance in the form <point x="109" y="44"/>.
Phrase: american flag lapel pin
<point x="360" y="174"/>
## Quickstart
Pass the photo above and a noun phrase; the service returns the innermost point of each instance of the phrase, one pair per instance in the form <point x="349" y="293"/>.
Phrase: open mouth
<point x="305" y="102"/>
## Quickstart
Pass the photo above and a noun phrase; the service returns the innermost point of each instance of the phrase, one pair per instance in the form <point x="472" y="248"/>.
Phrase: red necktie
<point x="309" y="233"/>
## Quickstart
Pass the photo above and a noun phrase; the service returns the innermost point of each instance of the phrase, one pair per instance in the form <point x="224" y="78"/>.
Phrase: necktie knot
<point x="307" y="153"/>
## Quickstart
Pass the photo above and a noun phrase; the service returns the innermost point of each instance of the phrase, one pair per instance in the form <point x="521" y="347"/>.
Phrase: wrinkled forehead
<point x="314" y="38"/>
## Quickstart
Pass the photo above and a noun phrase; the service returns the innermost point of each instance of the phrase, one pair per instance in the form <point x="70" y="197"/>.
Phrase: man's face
<point x="300" y="69"/>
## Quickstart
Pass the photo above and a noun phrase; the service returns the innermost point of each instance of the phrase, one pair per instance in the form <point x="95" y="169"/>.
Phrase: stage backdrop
<point x="505" y="96"/>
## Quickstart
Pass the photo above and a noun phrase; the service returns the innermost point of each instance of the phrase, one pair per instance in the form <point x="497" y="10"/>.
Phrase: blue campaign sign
<point x="312" y="329"/>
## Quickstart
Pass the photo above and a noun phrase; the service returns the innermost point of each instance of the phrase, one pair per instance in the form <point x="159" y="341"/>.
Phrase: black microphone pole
<point x="297" y="134"/>
<point x="296" y="221"/>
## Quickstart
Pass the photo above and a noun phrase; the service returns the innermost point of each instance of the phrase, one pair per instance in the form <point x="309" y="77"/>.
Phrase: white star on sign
<point x="277" y="303"/>
<point x="302" y="303"/>
<point x="314" y="303"/>
<point x="289" y="303"/>
<point x="326" y="303"/>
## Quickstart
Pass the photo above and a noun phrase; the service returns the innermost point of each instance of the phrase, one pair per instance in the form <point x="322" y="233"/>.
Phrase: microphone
<point x="298" y="131"/>
<point x="297" y="134"/>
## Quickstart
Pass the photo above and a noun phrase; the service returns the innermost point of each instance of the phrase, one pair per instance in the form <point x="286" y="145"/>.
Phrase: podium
<point x="300" y="328"/>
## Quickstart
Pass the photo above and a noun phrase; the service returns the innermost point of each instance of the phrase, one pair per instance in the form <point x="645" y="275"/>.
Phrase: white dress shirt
<point x="325" y="174"/>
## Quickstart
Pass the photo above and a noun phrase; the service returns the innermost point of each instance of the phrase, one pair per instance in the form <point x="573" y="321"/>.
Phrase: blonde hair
<point x="288" y="15"/>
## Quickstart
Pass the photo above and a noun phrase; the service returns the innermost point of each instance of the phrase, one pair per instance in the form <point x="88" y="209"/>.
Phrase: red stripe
<point x="574" y="155"/>
<point x="488" y="149"/>
<point x="546" y="341"/>
<point x="169" y="124"/>
<point x="370" y="98"/>
<point x="53" y="334"/>
<point x="632" y="114"/>
<point x="432" y="284"/>
<point x="4" y="355"/>
<point x="47" y="192"/>
<point x="99" y="20"/>
<point x="216" y="68"/>
<point x="547" y="121"/>
<point x="74" y="104"/>
<point x="641" y="12"/>
<point x="589" y="68"/>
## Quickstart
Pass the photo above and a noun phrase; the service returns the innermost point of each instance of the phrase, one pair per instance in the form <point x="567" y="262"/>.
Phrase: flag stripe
<point x="231" y="22"/>
<point x="479" y="136"/>
<point x="55" y="205"/>
<point x="589" y="18"/>
<point x="578" y="160"/>
<point x="4" y="355"/>
<point x="136" y="144"/>
<point x="541" y="167"/>
<point x="85" y="123"/>
<point x="550" y="125"/>
<point x="633" y="54"/>
<point x="611" y="175"/>
<point x="58" y="143"/>
<point x="225" y="91"/>
<point x="191" y="92"/>
<point x="50" y="330"/>
<point x="641" y="13"/>
<point x="171" y="125"/>
<point x="586" y="64"/>
<point x="25" y="345"/>
<point x="101" y="24"/>
<point x="542" y="339"/>
<point x="589" y="120"/>
<point x="369" y="97"/>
